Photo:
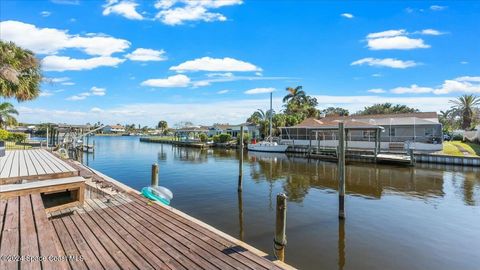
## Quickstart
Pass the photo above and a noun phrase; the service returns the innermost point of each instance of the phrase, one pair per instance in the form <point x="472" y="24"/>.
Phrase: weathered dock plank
<point x="10" y="244"/>
<point x="33" y="164"/>
<point x="28" y="237"/>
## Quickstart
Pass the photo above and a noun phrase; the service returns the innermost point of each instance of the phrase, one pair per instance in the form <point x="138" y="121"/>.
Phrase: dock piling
<point x="154" y="180"/>
<point x="280" y="239"/>
<point x="341" y="171"/>
<point x="240" y="164"/>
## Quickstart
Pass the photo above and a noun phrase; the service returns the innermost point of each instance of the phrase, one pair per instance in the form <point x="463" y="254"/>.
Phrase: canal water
<point x="427" y="217"/>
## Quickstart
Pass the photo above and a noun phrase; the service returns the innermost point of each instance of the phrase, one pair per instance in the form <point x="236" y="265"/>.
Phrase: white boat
<point x="268" y="145"/>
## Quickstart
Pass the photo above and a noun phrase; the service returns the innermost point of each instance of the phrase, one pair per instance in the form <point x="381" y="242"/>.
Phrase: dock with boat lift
<point x="113" y="228"/>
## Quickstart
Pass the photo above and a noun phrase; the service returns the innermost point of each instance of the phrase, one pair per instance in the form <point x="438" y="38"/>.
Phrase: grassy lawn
<point x="473" y="149"/>
<point x="449" y="148"/>
<point x="162" y="138"/>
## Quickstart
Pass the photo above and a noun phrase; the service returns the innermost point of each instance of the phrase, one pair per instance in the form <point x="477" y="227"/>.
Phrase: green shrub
<point x="4" y="135"/>
<point x="246" y="138"/>
<point x="457" y="137"/>
<point x="203" y="137"/>
<point x="17" y="137"/>
<point x="223" y="138"/>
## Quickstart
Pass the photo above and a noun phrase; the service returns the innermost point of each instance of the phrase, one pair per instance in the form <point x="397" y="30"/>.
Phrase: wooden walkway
<point x="133" y="233"/>
<point x="37" y="164"/>
<point x="26" y="231"/>
<point x="117" y="228"/>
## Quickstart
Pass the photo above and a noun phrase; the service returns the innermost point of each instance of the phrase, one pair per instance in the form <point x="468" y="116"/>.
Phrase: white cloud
<point x="96" y="110"/>
<point x="94" y="91"/>
<point x="60" y="80"/>
<point x="142" y="54"/>
<point x="386" y="62"/>
<point x="347" y="15"/>
<point x="431" y="32"/>
<point x="177" y="12"/>
<point x="179" y="15"/>
<point x="97" y="91"/>
<point x="377" y="75"/>
<point x="221" y="92"/>
<point x="179" y="80"/>
<point x="215" y="64"/>
<point x="376" y="91"/>
<point x="437" y="8"/>
<point x="125" y="8"/>
<point x="261" y="90"/>
<point x="55" y="80"/>
<point x="224" y="75"/>
<point x="394" y="40"/>
<point x="388" y="33"/>
<point x="46" y="93"/>
<point x="468" y="79"/>
<point x="45" y="13"/>
<point x="464" y="84"/>
<point x="52" y="40"/>
<point x="463" y="62"/>
<point x="80" y="96"/>
<point x="397" y="43"/>
<point x="63" y="63"/>
<point x="413" y="89"/>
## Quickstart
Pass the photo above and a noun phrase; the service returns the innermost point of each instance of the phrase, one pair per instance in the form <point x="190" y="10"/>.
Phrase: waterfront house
<point x="112" y="129"/>
<point x="421" y="131"/>
<point x="191" y="132"/>
<point x="252" y="129"/>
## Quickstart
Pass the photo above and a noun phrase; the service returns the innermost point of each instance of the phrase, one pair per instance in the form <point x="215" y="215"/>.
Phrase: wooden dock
<point x="117" y="228"/>
<point x="32" y="165"/>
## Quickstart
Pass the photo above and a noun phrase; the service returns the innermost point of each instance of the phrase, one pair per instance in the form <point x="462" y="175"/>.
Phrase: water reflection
<point x="241" y="234"/>
<point x="190" y="155"/>
<point x="341" y="243"/>
<point x="299" y="175"/>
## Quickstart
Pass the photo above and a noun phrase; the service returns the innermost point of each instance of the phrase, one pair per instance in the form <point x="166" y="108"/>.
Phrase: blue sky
<point x="127" y="61"/>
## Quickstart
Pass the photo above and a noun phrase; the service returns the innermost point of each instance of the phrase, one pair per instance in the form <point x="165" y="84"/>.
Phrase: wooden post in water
<point x="341" y="244"/>
<point x="341" y="170"/>
<point x="412" y="157"/>
<point x="240" y="164"/>
<point x="240" y="215"/>
<point x="280" y="239"/>
<point x="154" y="180"/>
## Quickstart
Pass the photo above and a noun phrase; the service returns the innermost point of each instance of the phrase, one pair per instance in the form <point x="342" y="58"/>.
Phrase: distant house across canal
<point x="112" y="129"/>
<point x="192" y="132"/>
<point x="421" y="131"/>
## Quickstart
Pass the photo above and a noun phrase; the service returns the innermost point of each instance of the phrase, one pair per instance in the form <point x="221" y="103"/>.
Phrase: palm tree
<point x="6" y="114"/>
<point x="296" y="95"/>
<point x="465" y="106"/>
<point x="163" y="125"/>
<point x="20" y="74"/>
<point x="262" y="118"/>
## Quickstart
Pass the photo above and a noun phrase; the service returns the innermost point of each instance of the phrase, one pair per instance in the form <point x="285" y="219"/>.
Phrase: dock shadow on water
<point x="422" y="217"/>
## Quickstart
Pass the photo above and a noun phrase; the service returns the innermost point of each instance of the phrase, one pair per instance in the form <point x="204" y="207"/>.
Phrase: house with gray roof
<point x="421" y="131"/>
